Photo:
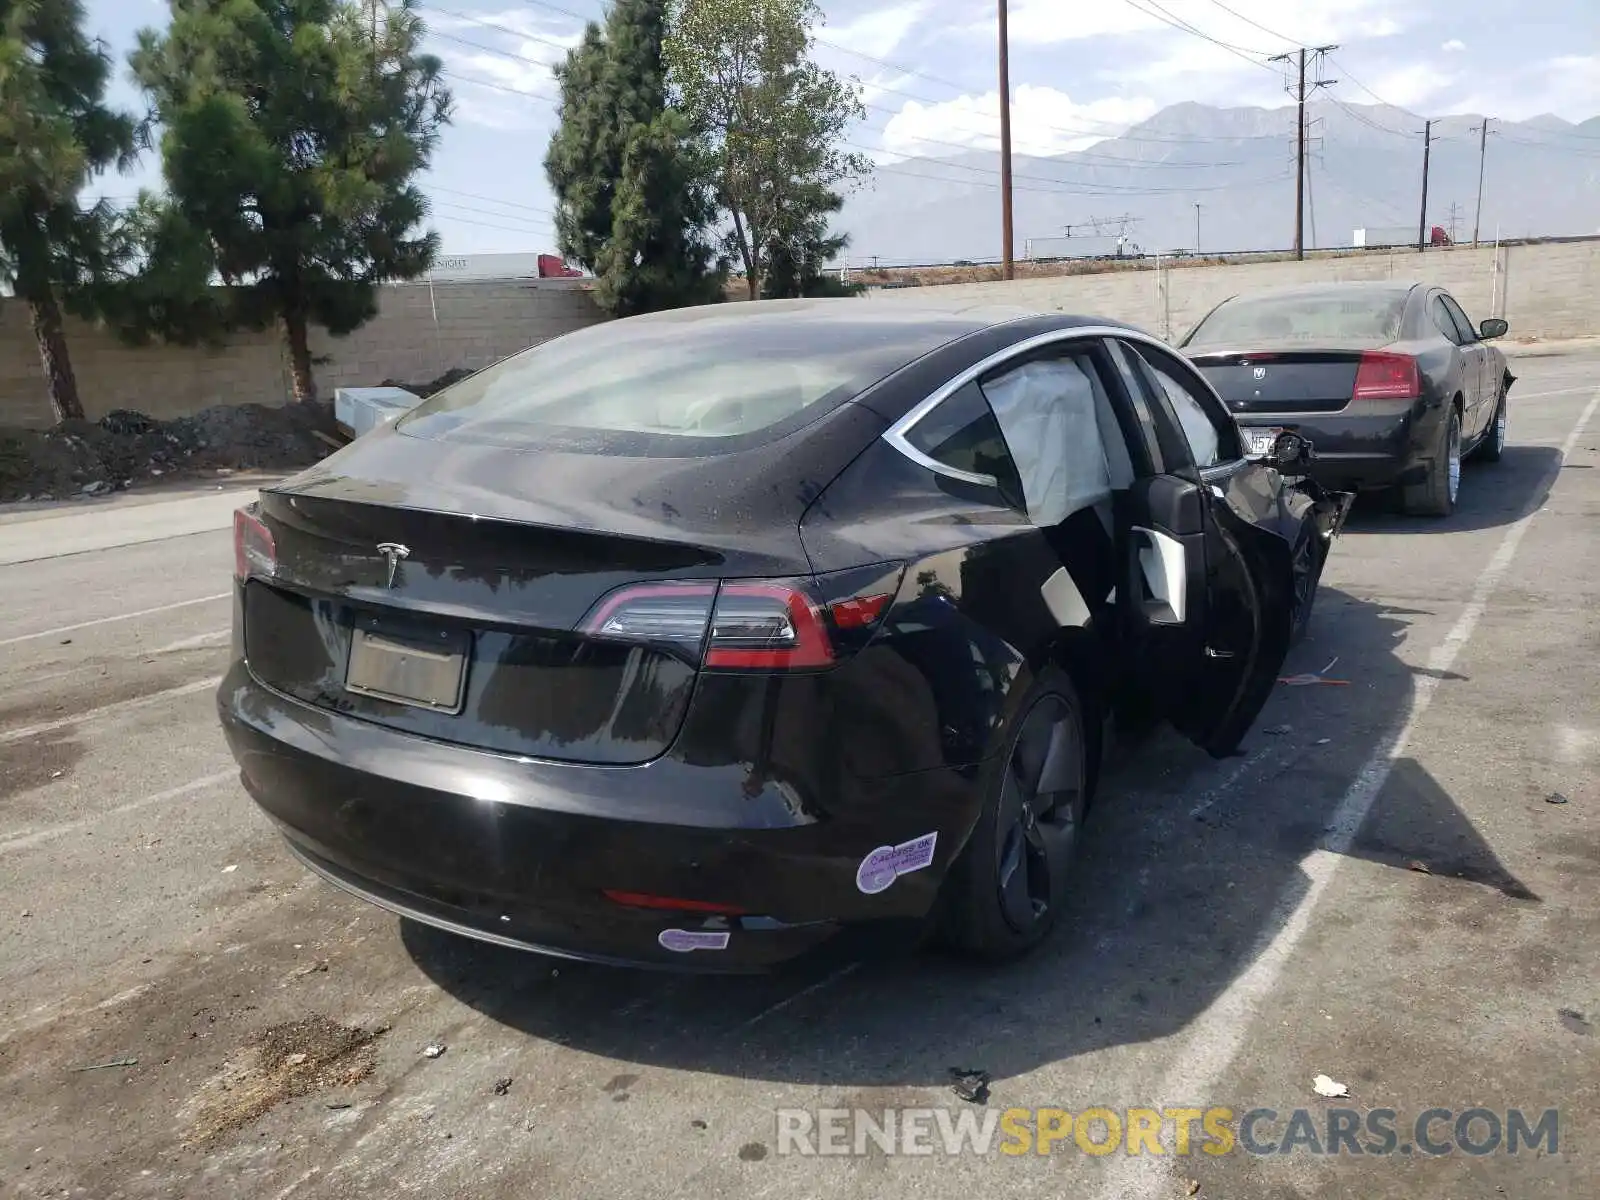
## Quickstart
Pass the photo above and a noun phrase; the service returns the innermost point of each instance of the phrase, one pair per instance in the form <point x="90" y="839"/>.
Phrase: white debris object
<point x="432" y="1051"/>
<point x="228" y="870"/>
<point x="1332" y="1088"/>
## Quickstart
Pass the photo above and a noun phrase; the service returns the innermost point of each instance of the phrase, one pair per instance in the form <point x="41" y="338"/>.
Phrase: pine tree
<point x="294" y="130"/>
<point x="800" y="247"/>
<point x="631" y="184"/>
<point x="55" y="135"/>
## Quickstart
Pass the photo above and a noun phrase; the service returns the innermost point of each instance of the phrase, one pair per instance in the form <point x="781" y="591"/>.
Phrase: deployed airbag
<point x="1047" y="412"/>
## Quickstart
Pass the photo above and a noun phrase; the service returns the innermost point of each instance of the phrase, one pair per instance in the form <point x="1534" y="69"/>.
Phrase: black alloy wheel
<point x="1305" y="573"/>
<point x="1010" y="885"/>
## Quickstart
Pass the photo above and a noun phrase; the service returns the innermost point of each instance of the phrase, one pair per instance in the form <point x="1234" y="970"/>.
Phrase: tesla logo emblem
<point x="393" y="554"/>
<point x="1259" y="373"/>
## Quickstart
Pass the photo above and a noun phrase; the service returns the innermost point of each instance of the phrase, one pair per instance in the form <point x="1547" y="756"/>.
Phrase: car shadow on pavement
<point x="1186" y="861"/>
<point x="1492" y="494"/>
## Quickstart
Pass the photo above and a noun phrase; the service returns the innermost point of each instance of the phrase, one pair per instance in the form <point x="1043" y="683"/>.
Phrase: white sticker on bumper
<point x="887" y="863"/>
<point x="684" y="940"/>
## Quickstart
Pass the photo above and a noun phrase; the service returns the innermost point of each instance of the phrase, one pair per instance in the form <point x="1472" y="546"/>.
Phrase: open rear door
<point x="1193" y="620"/>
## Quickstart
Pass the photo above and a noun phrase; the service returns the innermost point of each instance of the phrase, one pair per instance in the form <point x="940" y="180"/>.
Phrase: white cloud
<point x="1043" y="122"/>
<point x="1568" y="85"/>
<point x="1453" y="46"/>
<point x="876" y="33"/>
<point x="1413" y="86"/>
<point x="515" y="89"/>
<point x="1047" y="22"/>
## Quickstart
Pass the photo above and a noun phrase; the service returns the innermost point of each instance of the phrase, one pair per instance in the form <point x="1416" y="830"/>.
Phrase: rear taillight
<point x="1386" y="376"/>
<point x="740" y="625"/>
<point x="254" y="551"/>
<point x="766" y="626"/>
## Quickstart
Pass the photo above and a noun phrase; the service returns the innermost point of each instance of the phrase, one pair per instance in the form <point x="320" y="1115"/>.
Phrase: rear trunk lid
<point x="1272" y="379"/>
<point x="482" y="561"/>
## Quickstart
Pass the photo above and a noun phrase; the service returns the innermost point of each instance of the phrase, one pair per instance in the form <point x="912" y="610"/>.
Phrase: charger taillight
<point x="254" y="551"/>
<point x="739" y="625"/>
<point x="1382" y="375"/>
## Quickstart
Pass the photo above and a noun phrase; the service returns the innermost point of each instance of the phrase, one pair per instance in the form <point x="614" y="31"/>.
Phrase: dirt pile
<point x="88" y="458"/>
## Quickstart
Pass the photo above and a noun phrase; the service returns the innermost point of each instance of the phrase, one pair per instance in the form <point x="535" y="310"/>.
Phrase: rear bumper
<point x="519" y="852"/>
<point x="1387" y="443"/>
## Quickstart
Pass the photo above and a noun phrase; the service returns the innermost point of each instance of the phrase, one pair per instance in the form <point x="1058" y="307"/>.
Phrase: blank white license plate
<point x="408" y="672"/>
<point x="1262" y="441"/>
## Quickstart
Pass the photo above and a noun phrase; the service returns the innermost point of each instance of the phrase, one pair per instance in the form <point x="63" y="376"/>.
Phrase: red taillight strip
<point x="812" y="647"/>
<point x="247" y="526"/>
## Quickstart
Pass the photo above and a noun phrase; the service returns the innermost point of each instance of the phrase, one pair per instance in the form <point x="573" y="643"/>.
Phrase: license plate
<point x="1262" y="441"/>
<point x="417" y="672"/>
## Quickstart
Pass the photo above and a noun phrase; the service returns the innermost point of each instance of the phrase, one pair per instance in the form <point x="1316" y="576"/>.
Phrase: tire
<point x="1006" y="891"/>
<point x="1305" y="566"/>
<point x="1493" y="446"/>
<point x="1436" y="495"/>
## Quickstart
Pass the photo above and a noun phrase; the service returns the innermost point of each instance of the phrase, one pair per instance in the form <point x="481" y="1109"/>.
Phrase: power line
<point x="1345" y="72"/>
<point x="1362" y="119"/>
<point x="1087" y="157"/>
<point x="1167" y="18"/>
<point x="1269" y="32"/>
<point x="1117" y="131"/>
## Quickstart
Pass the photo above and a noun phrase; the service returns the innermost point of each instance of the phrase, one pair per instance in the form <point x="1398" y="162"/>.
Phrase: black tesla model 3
<point x="695" y="639"/>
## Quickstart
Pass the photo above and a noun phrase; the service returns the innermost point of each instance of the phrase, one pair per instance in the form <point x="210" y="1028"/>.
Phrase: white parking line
<point x="1214" y="1037"/>
<point x="215" y="638"/>
<point x="1571" y="391"/>
<point x="143" y="612"/>
<point x="186" y="689"/>
<point x="28" y="840"/>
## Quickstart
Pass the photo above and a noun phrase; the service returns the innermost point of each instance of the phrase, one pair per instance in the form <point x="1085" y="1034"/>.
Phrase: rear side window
<point x="1469" y="332"/>
<point x="1358" y="316"/>
<point x="963" y="434"/>
<point x="1444" y="321"/>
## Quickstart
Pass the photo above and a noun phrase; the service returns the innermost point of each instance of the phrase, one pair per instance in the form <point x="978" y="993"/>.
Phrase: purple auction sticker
<point x="887" y="863"/>
<point x="690" y="939"/>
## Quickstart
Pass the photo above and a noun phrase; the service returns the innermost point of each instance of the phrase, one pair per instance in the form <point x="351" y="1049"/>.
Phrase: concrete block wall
<point x="1549" y="290"/>
<point x="418" y="334"/>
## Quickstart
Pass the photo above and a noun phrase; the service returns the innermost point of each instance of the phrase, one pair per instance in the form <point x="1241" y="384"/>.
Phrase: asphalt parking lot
<point x="1398" y="886"/>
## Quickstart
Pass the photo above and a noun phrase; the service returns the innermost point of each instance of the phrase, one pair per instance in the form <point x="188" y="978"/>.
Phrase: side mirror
<point x="1290" y="452"/>
<point x="1492" y="328"/>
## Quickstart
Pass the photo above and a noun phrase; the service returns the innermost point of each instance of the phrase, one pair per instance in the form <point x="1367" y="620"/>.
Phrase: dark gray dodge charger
<point x="1391" y="383"/>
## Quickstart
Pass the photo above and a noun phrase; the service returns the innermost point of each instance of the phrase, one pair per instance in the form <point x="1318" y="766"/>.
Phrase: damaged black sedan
<point x="698" y="639"/>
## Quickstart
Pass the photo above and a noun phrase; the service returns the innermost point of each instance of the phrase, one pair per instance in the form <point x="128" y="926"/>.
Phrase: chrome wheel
<point x="1500" y="427"/>
<point x="1039" y="814"/>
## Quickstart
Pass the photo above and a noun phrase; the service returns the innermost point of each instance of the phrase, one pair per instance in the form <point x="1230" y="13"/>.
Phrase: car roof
<point x="1360" y="287"/>
<point x="953" y="316"/>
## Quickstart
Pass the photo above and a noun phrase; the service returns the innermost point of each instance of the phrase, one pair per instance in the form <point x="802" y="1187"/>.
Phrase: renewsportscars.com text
<point x="1212" y="1131"/>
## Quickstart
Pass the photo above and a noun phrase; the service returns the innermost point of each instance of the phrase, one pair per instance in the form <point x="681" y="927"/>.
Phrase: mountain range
<point x="1541" y="178"/>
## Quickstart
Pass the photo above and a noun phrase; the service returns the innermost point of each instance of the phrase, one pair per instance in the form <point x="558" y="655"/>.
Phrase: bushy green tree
<point x="631" y="185"/>
<point x="801" y="248"/>
<point x="293" y="132"/>
<point x="774" y="119"/>
<point x="55" y="135"/>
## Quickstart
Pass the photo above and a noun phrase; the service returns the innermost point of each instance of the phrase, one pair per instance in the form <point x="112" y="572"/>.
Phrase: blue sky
<point x="1080" y="70"/>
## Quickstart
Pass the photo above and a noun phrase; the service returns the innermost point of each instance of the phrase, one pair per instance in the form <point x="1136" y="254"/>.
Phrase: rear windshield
<point x="1373" y="317"/>
<point x="688" y="383"/>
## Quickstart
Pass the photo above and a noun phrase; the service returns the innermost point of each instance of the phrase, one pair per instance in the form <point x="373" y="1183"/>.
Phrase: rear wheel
<point x="1008" y="888"/>
<point x="1494" y="442"/>
<point x="1436" y="495"/>
<point x="1305" y="573"/>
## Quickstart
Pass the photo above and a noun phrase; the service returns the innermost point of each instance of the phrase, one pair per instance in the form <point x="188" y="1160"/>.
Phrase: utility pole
<point x="1422" y="221"/>
<point x="1453" y="222"/>
<point x="1483" y="145"/>
<point x="1197" y="228"/>
<point x="1007" y="269"/>
<point x="1300" y="91"/>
